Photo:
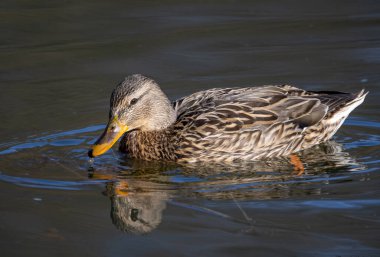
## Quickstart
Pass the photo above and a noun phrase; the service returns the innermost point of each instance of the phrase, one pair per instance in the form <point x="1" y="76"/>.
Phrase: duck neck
<point x="161" y="120"/>
<point x="149" y="145"/>
<point x="161" y="116"/>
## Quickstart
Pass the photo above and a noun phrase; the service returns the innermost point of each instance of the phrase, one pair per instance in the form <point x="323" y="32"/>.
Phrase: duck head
<point x="137" y="103"/>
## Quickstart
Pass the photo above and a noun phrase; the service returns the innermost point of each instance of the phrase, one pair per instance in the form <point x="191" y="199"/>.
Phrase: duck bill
<point x="111" y="134"/>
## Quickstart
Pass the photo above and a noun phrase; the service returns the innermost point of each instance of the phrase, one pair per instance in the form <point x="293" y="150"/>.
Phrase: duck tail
<point x="340" y="113"/>
<point x="357" y="100"/>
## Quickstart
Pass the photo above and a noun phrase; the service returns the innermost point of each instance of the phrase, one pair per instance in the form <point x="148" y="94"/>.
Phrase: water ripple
<point x="324" y="164"/>
<point x="46" y="140"/>
<point x="50" y="184"/>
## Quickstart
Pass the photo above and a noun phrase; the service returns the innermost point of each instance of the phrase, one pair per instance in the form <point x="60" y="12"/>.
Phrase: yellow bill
<point x="111" y="134"/>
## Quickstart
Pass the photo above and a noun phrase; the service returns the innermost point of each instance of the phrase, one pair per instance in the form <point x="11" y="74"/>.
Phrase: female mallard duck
<point x="221" y="124"/>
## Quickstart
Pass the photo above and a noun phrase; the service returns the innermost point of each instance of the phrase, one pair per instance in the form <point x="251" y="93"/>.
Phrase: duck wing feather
<point x="250" y="122"/>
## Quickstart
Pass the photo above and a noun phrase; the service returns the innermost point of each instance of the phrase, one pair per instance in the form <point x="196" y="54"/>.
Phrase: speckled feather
<point x="224" y="125"/>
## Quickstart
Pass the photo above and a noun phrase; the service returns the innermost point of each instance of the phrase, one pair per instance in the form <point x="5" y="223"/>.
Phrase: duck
<point x="221" y="124"/>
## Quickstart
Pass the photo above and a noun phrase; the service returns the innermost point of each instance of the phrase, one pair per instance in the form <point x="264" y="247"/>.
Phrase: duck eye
<point x="133" y="101"/>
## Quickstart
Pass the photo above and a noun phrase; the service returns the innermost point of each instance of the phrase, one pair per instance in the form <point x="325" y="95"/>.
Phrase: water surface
<point x="59" y="62"/>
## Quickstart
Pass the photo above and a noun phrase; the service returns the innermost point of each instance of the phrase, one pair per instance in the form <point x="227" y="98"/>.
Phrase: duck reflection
<point x="133" y="208"/>
<point x="139" y="194"/>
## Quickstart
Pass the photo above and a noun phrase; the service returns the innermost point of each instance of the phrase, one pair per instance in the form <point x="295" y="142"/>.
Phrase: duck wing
<point x="250" y="122"/>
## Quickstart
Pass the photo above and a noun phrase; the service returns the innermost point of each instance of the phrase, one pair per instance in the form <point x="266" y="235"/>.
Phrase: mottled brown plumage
<point x="227" y="124"/>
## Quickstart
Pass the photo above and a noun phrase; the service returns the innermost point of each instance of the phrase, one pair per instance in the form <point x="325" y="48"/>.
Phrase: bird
<point x="221" y="125"/>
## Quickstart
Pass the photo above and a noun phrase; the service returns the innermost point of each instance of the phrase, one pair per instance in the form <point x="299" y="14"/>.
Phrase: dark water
<point x="59" y="61"/>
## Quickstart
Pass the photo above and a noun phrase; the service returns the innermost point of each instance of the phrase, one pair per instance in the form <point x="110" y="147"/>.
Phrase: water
<point x="59" y="61"/>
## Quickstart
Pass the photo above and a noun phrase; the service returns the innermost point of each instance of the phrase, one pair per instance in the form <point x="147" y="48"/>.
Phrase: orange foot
<point x="298" y="166"/>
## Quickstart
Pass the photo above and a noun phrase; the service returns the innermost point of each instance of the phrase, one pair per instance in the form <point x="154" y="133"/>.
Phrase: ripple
<point x="48" y="183"/>
<point x="355" y="121"/>
<point x="365" y="141"/>
<point x="324" y="164"/>
<point x="322" y="204"/>
<point x="49" y="140"/>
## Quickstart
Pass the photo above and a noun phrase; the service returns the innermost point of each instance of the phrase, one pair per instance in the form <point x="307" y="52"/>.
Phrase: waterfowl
<point x="220" y="124"/>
